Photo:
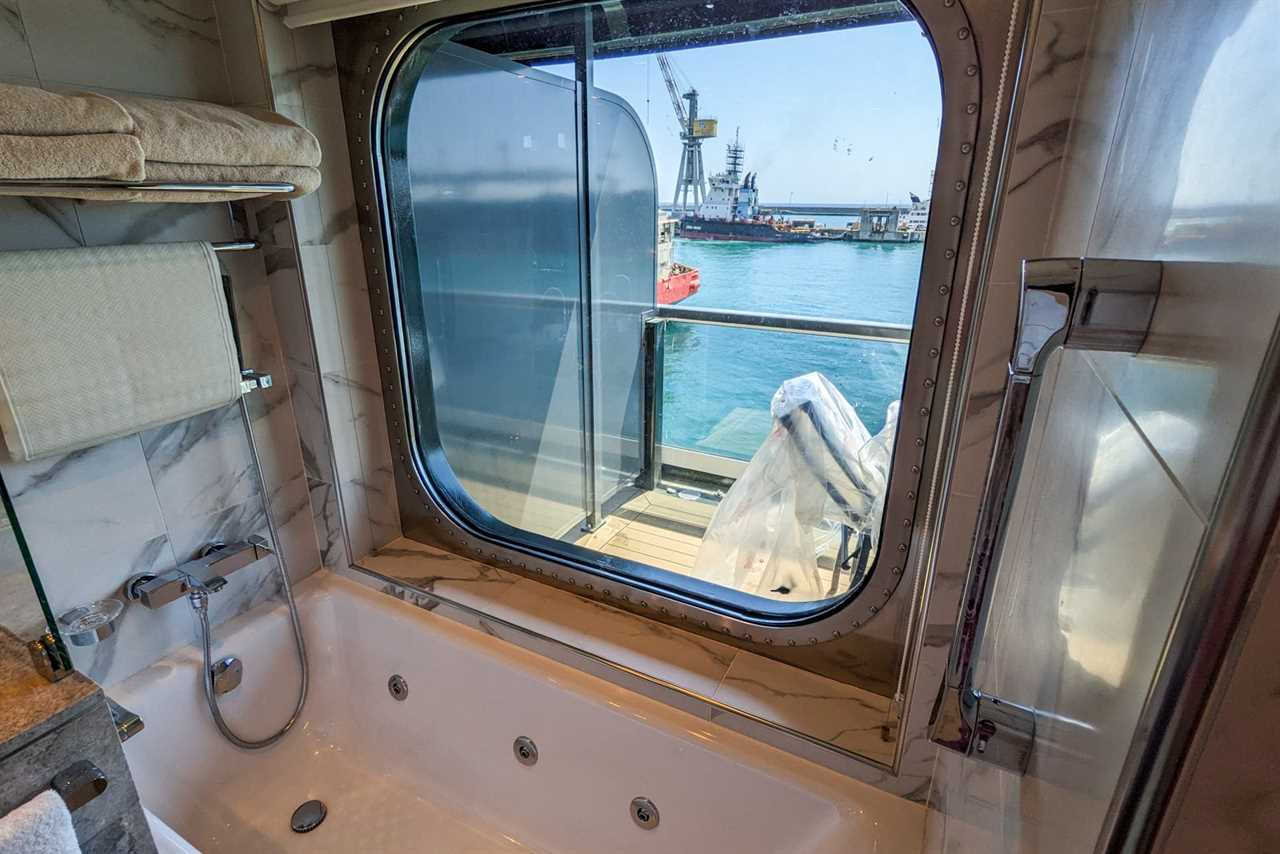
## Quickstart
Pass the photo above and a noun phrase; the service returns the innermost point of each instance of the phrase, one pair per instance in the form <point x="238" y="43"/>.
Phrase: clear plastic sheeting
<point x="804" y="518"/>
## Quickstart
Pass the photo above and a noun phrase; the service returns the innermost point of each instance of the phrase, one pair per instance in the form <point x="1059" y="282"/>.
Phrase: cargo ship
<point x="731" y="210"/>
<point x="676" y="281"/>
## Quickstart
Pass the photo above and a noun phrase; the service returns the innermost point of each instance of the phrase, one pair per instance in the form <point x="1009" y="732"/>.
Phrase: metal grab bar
<point x="1067" y="303"/>
<point x="783" y="323"/>
<point x="88" y="184"/>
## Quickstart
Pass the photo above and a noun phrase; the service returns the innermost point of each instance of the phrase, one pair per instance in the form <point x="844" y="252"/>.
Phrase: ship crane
<point x="691" y="180"/>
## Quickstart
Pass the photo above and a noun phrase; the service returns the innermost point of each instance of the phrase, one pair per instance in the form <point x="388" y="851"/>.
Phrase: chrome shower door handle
<point x="1067" y="303"/>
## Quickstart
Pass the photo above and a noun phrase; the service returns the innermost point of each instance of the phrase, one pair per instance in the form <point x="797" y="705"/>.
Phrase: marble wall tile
<point x="275" y="431"/>
<point x="200" y="465"/>
<point x="420" y="567"/>
<point x="329" y="531"/>
<point x="16" y="61"/>
<point x="102" y="494"/>
<point x="990" y="372"/>
<point x="282" y="57"/>
<point x="307" y="395"/>
<point x="304" y="81"/>
<point x="349" y="462"/>
<point x="294" y="326"/>
<point x="317" y="77"/>
<point x="1044" y="125"/>
<point x="39" y="224"/>
<point x="133" y="645"/>
<point x="169" y="48"/>
<point x="323" y="308"/>
<point x="295" y="524"/>
<point x="238" y="522"/>
<point x="242" y="51"/>
<point x="840" y="714"/>
<point x="377" y="477"/>
<point x="351" y="299"/>
<point x="664" y="652"/>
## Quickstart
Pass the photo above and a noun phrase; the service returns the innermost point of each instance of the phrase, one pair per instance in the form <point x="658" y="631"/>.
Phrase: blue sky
<point x="841" y="116"/>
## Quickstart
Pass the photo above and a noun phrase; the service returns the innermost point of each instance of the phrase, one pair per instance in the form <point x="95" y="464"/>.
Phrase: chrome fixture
<point x="227" y="673"/>
<point x="236" y="246"/>
<point x="219" y="559"/>
<point x="252" y="380"/>
<point x="308" y="816"/>
<point x="398" y="687"/>
<point x="210" y="571"/>
<point x="644" y="813"/>
<point x="1067" y="303"/>
<point x="79" y="783"/>
<point x="525" y="750"/>
<point x="127" y="723"/>
<point x="50" y="657"/>
<point x="92" y="623"/>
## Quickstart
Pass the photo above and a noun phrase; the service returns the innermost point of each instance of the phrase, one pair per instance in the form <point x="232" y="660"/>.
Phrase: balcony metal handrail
<point x="863" y="329"/>
<point x="656" y="320"/>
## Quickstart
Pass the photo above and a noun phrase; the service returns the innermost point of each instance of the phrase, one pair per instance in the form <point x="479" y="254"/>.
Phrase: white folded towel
<point x="40" y="826"/>
<point x="97" y="343"/>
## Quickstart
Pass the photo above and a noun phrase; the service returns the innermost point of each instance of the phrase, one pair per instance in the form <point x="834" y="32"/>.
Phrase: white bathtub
<point x="436" y="772"/>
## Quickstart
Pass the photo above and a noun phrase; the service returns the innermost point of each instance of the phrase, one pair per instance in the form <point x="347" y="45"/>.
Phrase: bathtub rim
<point x="326" y="590"/>
<point x="776" y="735"/>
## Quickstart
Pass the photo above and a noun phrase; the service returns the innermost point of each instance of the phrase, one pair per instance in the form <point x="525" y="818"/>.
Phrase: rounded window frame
<point x="437" y="513"/>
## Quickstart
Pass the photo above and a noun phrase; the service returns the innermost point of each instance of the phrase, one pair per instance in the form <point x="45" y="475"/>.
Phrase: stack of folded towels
<point x="48" y="136"/>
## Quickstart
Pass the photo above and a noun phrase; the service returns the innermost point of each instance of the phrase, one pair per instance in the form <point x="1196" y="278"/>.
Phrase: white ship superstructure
<point x="916" y="219"/>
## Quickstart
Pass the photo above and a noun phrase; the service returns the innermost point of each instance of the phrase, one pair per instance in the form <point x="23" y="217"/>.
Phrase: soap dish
<point x="92" y="623"/>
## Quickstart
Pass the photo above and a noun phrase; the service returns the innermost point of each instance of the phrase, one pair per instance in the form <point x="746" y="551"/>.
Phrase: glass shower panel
<point x="623" y="227"/>
<point x="493" y="169"/>
<point x="24" y="610"/>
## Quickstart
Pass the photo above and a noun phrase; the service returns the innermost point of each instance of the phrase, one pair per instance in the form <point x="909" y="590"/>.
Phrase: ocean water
<point x="719" y="380"/>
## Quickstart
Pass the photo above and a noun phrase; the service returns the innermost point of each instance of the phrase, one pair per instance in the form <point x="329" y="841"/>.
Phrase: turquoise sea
<point x="719" y="380"/>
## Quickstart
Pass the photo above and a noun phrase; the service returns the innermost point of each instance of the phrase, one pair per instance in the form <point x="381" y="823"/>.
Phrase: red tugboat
<point x="675" y="281"/>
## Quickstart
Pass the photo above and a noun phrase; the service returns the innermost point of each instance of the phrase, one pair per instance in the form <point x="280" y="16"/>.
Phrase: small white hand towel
<point x="97" y="343"/>
<point x="40" y="826"/>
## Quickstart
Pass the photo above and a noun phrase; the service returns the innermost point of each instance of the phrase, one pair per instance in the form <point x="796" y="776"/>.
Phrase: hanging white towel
<point x="40" y="826"/>
<point x="97" y="343"/>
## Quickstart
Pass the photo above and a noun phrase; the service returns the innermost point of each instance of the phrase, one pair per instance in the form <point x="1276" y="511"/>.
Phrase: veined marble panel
<point x="39" y="223"/>
<point x="424" y="568"/>
<point x="16" y="61"/>
<point x="88" y="517"/>
<point x="329" y="530"/>
<point x="200" y="465"/>
<point x="848" y="717"/>
<point x="169" y="48"/>
<point x="246" y="75"/>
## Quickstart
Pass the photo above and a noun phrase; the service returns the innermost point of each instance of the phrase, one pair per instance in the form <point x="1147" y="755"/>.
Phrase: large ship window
<point x="657" y="267"/>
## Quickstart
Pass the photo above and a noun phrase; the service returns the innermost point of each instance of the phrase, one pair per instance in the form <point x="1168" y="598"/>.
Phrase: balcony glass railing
<point x="712" y="375"/>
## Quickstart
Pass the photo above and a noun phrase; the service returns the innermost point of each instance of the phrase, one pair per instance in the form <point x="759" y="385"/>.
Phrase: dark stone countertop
<point x="31" y="705"/>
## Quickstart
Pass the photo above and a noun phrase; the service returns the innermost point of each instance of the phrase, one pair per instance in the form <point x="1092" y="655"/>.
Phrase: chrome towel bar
<point x="236" y="246"/>
<point x="79" y="783"/>
<point x="148" y="186"/>
<point x="1067" y="303"/>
